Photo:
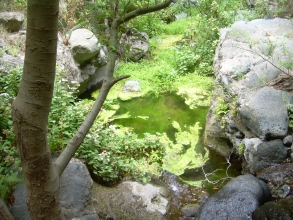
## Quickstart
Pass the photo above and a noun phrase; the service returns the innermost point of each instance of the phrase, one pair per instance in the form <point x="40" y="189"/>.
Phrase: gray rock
<point x="251" y="3"/>
<point x="284" y="191"/>
<point x="9" y="62"/>
<point x="181" y="16"/>
<point x="131" y="86"/>
<point x="246" y="59"/>
<point x="237" y="200"/>
<point x="288" y="140"/>
<point x="84" y="45"/>
<point x="190" y="210"/>
<point x="134" y="45"/>
<point x="261" y="154"/>
<point x="278" y="178"/>
<point x="86" y="76"/>
<point x="273" y="210"/>
<point x="12" y="21"/>
<point x="76" y="191"/>
<point x="239" y="135"/>
<point x="265" y="112"/>
<point x="2" y="45"/>
<point x="19" y="210"/>
<point x="75" y="195"/>
<point x="131" y="200"/>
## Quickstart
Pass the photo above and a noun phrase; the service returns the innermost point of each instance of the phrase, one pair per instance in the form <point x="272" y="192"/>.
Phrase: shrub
<point x="112" y="155"/>
<point x="185" y="59"/>
<point x="221" y="109"/>
<point x="9" y="160"/>
<point x="149" y="23"/>
<point x="66" y="114"/>
<point x="203" y="32"/>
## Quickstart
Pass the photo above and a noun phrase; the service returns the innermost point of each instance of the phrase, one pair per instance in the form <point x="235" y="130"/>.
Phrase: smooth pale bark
<point x="30" y="109"/>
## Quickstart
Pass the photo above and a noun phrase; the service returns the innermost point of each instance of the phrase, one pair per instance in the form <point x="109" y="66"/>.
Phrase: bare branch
<point x="213" y="173"/>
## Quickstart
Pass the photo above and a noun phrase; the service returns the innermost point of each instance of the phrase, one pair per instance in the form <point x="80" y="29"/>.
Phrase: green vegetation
<point x="221" y="109"/>
<point x="187" y="151"/>
<point x="113" y="155"/>
<point x="179" y="60"/>
<point x="9" y="160"/>
<point x="110" y="154"/>
<point x="241" y="148"/>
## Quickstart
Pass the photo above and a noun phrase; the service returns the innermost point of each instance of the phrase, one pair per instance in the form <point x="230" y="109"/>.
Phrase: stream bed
<point x="183" y="128"/>
<point x="192" y="172"/>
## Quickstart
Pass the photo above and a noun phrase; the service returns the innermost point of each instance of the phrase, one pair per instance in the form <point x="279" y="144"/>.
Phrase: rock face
<point x="251" y="71"/>
<point x="265" y="112"/>
<point x="76" y="192"/>
<point x="237" y="200"/>
<point x="75" y="195"/>
<point x="131" y="86"/>
<point x="134" y="45"/>
<point x="8" y="62"/>
<point x="85" y="62"/>
<point x="260" y="155"/>
<point x="131" y="200"/>
<point x="12" y="21"/>
<point x="84" y="45"/>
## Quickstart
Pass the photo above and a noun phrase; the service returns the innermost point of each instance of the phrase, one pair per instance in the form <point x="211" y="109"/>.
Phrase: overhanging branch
<point x="78" y="138"/>
<point x="143" y="11"/>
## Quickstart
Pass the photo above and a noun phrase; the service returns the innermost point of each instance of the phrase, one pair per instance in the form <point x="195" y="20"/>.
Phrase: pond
<point x="154" y="114"/>
<point x="182" y="129"/>
<point x="188" y="163"/>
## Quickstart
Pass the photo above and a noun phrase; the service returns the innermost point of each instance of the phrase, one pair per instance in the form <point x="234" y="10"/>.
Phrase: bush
<point x="66" y="114"/>
<point x="149" y="23"/>
<point x="113" y="155"/>
<point x="109" y="154"/>
<point x="203" y="32"/>
<point x="9" y="159"/>
<point x="185" y="60"/>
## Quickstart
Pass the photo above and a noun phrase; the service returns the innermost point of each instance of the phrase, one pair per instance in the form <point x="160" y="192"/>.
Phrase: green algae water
<point x="154" y="114"/>
<point x="181" y="128"/>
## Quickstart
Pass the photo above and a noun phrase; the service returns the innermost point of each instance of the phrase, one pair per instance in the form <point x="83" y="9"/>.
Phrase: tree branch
<point x="108" y="82"/>
<point x="143" y="11"/>
<point x="78" y="138"/>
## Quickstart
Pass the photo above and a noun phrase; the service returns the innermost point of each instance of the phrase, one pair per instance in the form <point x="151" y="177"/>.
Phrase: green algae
<point x="180" y="126"/>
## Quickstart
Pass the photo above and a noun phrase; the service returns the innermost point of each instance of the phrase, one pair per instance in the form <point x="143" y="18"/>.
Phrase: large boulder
<point x="84" y="45"/>
<point x="12" y="21"/>
<point x="261" y="154"/>
<point x="131" y="200"/>
<point x="251" y="77"/>
<point x="237" y="200"/>
<point x="89" y="75"/>
<point x="9" y="62"/>
<point x="76" y="192"/>
<point x="134" y="45"/>
<point x="265" y="112"/>
<point x="75" y="195"/>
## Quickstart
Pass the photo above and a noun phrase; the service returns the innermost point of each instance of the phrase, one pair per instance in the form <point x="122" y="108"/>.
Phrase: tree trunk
<point x="4" y="212"/>
<point x="31" y="108"/>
